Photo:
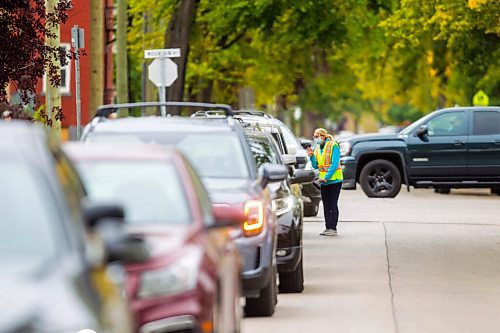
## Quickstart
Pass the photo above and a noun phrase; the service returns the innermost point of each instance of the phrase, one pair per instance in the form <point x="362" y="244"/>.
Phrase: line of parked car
<point x="151" y="224"/>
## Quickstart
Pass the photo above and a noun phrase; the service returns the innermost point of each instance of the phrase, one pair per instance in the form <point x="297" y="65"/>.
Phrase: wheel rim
<point x="380" y="180"/>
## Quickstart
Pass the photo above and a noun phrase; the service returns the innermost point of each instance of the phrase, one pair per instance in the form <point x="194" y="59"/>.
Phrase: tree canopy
<point x="389" y="57"/>
<point x="24" y="56"/>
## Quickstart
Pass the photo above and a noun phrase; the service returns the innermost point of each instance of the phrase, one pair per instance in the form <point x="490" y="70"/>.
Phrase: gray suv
<point x="222" y="157"/>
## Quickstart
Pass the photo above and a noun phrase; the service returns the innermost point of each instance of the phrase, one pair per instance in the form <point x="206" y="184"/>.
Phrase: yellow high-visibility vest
<point x="325" y="160"/>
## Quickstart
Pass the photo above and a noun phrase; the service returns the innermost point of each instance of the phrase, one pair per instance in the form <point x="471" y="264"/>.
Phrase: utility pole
<point x="53" y="94"/>
<point x="121" y="53"/>
<point x="96" y="55"/>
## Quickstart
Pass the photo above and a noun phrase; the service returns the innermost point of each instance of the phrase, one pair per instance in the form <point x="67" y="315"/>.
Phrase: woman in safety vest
<point x="326" y="158"/>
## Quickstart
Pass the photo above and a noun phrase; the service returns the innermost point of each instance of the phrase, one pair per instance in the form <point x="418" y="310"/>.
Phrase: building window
<point x="65" y="73"/>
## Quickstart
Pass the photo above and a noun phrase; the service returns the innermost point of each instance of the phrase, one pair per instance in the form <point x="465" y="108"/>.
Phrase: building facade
<point x="80" y="15"/>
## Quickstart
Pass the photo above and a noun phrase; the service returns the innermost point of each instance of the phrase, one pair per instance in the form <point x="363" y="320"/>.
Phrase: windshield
<point x="289" y="137"/>
<point x="150" y="192"/>
<point x="28" y="220"/>
<point x="213" y="155"/>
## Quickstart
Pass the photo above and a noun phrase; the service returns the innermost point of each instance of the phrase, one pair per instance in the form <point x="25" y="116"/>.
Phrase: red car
<point x="191" y="282"/>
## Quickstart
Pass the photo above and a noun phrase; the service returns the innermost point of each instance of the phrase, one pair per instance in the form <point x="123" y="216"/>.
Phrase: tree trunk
<point x="177" y="36"/>
<point x="205" y="94"/>
<point x="53" y="93"/>
<point x="96" y="55"/>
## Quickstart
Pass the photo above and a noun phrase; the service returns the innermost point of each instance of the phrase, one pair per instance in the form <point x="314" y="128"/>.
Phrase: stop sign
<point x="162" y="72"/>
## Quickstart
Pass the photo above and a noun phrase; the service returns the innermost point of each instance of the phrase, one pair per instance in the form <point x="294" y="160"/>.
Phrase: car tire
<point x="380" y="179"/>
<point x="442" y="190"/>
<point x="311" y="210"/>
<point x="264" y="305"/>
<point x="292" y="282"/>
<point x="495" y="190"/>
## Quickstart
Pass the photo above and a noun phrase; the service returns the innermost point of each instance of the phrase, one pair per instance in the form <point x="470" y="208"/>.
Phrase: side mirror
<point x="272" y="173"/>
<point x="302" y="176"/>
<point x="305" y="143"/>
<point x="289" y="159"/>
<point x="127" y="249"/>
<point x="121" y="246"/>
<point x="93" y="212"/>
<point x="423" y="130"/>
<point x="227" y="216"/>
<point x="292" y="150"/>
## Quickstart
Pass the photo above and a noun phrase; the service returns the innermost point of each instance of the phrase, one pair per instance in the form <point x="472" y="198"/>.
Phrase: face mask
<point x="318" y="140"/>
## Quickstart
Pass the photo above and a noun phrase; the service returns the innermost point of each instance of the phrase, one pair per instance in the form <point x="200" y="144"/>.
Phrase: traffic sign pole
<point x="163" y="108"/>
<point x="162" y="72"/>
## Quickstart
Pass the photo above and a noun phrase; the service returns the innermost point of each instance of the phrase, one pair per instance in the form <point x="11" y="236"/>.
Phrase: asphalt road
<point x="422" y="262"/>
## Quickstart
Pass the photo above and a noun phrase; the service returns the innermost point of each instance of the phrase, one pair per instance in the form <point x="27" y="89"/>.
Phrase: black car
<point x="53" y="270"/>
<point x="448" y="148"/>
<point x="222" y="156"/>
<point x="288" y="144"/>
<point x="288" y="207"/>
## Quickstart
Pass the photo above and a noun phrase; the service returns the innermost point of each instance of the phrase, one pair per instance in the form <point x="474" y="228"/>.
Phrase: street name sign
<point x="162" y="53"/>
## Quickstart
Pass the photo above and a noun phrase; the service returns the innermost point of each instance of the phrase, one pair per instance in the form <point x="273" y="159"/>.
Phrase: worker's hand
<point x="310" y="152"/>
<point x="322" y="180"/>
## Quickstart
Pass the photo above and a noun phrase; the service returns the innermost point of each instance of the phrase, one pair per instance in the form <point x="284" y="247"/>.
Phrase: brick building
<point x="80" y="15"/>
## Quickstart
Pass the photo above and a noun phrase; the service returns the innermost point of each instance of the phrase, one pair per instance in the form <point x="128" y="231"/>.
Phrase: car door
<point x="442" y="151"/>
<point x="484" y="144"/>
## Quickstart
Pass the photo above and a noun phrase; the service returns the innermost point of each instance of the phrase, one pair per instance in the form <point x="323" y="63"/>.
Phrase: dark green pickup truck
<point x="448" y="148"/>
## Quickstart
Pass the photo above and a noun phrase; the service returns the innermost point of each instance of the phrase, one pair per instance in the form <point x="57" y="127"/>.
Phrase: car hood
<point x="30" y="302"/>
<point x="230" y="191"/>
<point x="373" y="137"/>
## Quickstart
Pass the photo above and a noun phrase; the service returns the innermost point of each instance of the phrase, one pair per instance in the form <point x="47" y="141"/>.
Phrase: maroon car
<point x="191" y="282"/>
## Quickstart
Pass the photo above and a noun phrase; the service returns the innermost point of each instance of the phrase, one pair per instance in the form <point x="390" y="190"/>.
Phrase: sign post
<point x="162" y="71"/>
<point x="78" y="42"/>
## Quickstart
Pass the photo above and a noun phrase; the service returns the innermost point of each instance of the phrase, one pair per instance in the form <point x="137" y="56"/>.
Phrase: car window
<point x="448" y="124"/>
<point x="215" y="156"/>
<point x="262" y="151"/>
<point x="277" y="137"/>
<point x="486" y="122"/>
<point x="410" y="128"/>
<point x="29" y="216"/>
<point x="150" y="192"/>
<point x="212" y="155"/>
<point x="70" y="181"/>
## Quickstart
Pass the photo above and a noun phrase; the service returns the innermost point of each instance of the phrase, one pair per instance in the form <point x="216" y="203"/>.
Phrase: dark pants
<point x="330" y="196"/>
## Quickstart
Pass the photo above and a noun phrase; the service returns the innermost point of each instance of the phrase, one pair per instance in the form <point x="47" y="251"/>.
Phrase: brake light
<point x="254" y="223"/>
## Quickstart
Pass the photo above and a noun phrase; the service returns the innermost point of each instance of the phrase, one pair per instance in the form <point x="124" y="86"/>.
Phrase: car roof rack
<point x="227" y="109"/>
<point x="222" y="107"/>
<point x="209" y="114"/>
<point x="258" y="126"/>
<point x="252" y="113"/>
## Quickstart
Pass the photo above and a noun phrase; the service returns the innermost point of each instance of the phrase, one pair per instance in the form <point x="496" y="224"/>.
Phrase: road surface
<point x="422" y="262"/>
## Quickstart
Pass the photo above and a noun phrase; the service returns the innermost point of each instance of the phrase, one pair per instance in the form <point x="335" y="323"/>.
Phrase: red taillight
<point x="254" y="223"/>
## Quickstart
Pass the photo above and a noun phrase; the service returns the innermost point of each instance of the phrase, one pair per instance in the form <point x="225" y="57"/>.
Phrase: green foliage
<point x="396" y="58"/>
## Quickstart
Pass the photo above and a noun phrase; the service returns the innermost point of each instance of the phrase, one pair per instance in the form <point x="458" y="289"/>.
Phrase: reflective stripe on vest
<point x="324" y="161"/>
